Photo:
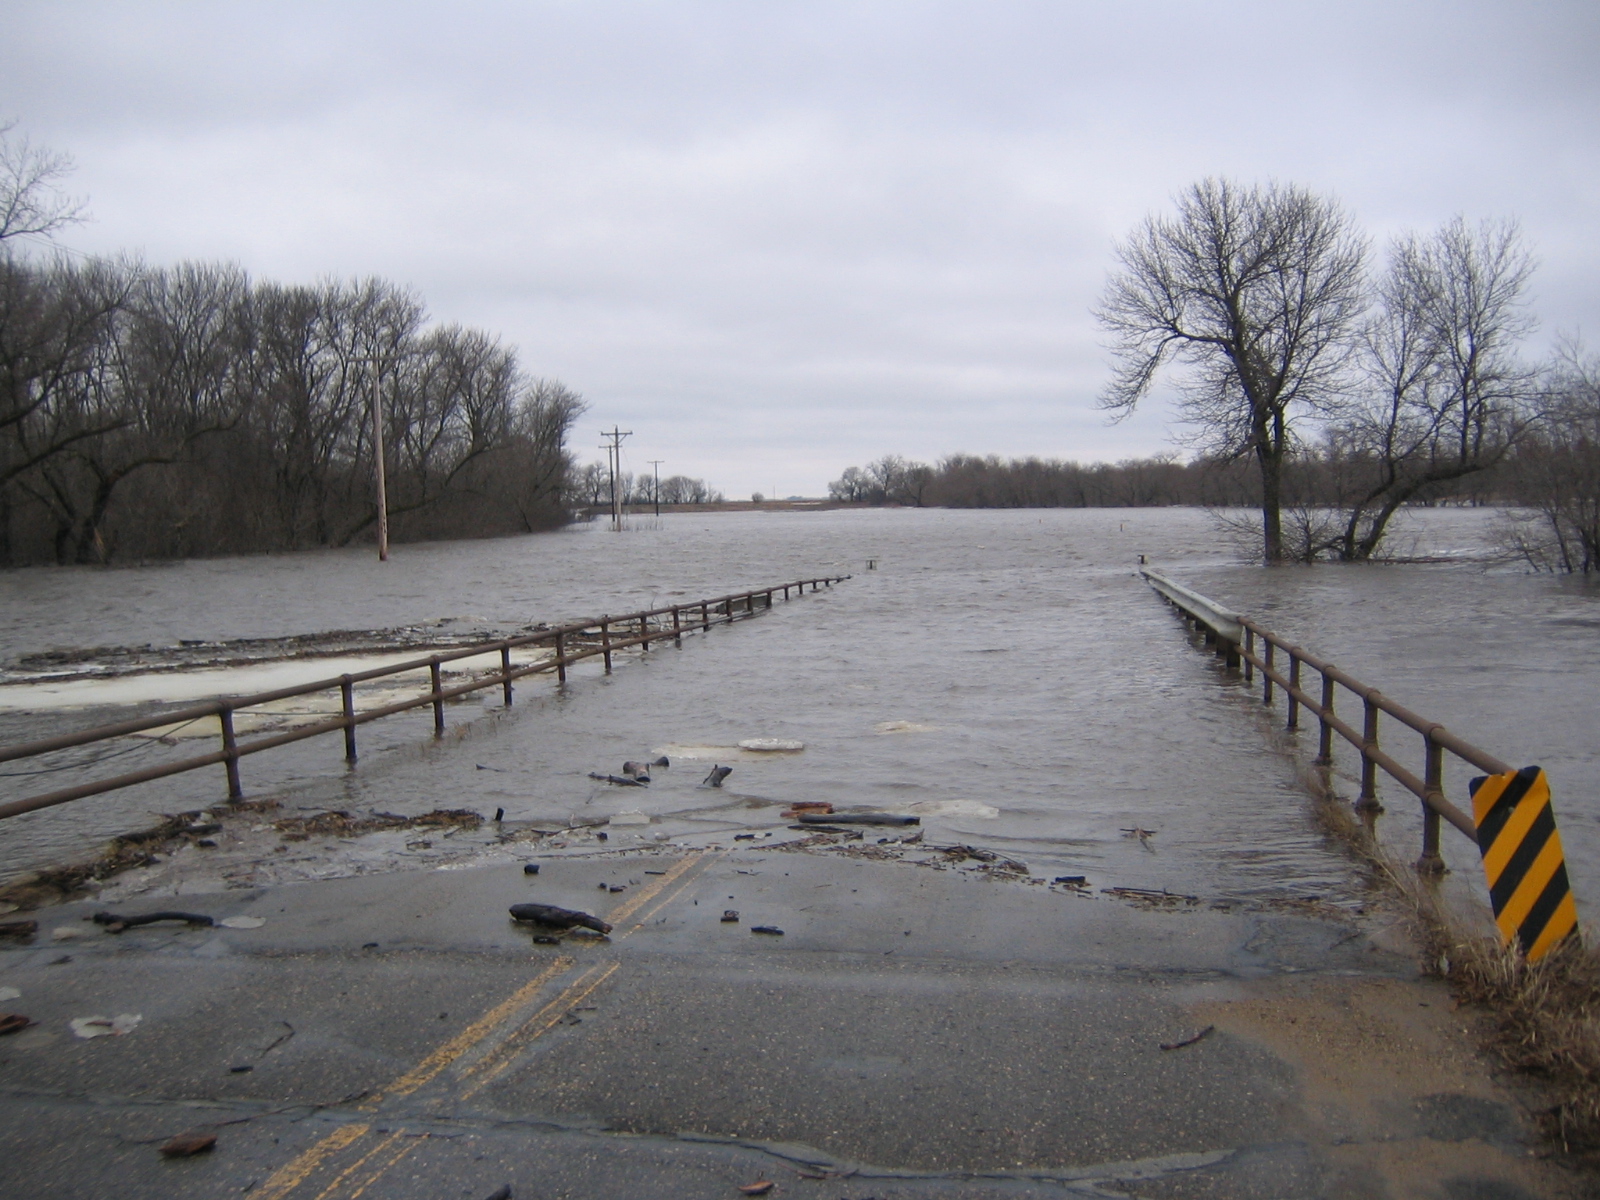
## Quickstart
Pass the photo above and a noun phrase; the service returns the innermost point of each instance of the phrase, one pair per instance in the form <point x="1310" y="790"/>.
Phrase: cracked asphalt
<point x="913" y="1032"/>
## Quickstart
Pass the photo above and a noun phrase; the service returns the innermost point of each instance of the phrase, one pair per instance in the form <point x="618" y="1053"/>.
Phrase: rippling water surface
<point x="1005" y="674"/>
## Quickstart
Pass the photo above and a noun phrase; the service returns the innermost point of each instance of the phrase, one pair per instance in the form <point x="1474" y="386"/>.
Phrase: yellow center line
<point x="649" y="892"/>
<point x="295" y="1172"/>
<point x="357" y="1165"/>
<point x="470" y="1036"/>
<point x="384" y="1168"/>
<point x="507" y="1052"/>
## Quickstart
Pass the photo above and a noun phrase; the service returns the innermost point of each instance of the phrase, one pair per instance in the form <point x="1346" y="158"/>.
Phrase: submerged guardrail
<point x="1236" y="638"/>
<point x="599" y="638"/>
<point x="1512" y="820"/>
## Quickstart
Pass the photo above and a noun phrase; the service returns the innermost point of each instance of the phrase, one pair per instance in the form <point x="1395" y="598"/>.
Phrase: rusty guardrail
<point x="1236" y="638"/>
<point x="599" y="638"/>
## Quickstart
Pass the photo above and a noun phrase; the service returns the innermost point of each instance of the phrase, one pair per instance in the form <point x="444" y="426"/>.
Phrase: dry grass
<point x="1544" y="1017"/>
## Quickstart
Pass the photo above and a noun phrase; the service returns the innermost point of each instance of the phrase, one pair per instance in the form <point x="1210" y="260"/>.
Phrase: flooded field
<point x="1006" y="676"/>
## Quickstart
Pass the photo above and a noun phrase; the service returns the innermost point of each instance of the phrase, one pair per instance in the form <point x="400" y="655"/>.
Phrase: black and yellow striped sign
<point x="1522" y="859"/>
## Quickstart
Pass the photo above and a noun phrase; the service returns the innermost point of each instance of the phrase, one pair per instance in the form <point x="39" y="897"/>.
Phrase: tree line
<point x="189" y="410"/>
<point x="591" y="488"/>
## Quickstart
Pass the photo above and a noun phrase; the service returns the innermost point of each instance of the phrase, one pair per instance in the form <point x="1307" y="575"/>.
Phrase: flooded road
<point x="1005" y="675"/>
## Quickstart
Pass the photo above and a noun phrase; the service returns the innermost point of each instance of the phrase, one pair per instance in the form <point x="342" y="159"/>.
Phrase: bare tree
<point x="1254" y="292"/>
<point x="1445" y="394"/>
<point x="31" y="200"/>
<point x="1557" y="473"/>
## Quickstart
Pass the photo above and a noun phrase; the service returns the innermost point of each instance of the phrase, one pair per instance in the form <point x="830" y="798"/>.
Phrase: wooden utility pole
<point x="656" y="493"/>
<point x="613" y="449"/>
<point x="377" y="466"/>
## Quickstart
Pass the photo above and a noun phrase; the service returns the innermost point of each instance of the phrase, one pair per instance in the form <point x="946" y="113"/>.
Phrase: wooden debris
<point x="186" y="1145"/>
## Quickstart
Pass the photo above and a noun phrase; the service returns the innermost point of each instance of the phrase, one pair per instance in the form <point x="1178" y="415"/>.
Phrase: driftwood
<point x="716" y="776"/>
<point x="1188" y="1041"/>
<point x="557" y="918"/>
<point x="857" y="819"/>
<point x="116" y="924"/>
<point x="619" y="780"/>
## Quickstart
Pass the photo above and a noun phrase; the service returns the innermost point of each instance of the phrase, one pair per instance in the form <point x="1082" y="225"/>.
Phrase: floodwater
<point x="1006" y="675"/>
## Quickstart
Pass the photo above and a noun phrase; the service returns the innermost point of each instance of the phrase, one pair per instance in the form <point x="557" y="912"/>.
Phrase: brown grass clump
<point x="1545" y="1016"/>
<point x="1546" y="1022"/>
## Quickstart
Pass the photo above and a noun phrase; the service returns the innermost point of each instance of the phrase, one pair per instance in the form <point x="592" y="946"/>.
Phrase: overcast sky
<point x="778" y="238"/>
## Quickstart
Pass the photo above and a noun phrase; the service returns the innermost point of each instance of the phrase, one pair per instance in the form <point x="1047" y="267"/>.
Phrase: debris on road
<point x="806" y="806"/>
<point x="1072" y="881"/>
<point x="730" y="914"/>
<point x="1188" y="1041"/>
<point x="557" y="918"/>
<point x="637" y="770"/>
<point x="21" y="930"/>
<point x="13" y="1023"/>
<point x="1149" y="896"/>
<point x="343" y="824"/>
<point x="530" y="868"/>
<point x="744" y="837"/>
<point x="10" y="993"/>
<point x="93" y="1027"/>
<point x="503" y="1192"/>
<point x="186" y="1145"/>
<point x="715" y="777"/>
<point x="241" y="922"/>
<point x="772" y="929"/>
<point x="871" y="818"/>
<point x="116" y="924"/>
<point x="759" y="1188"/>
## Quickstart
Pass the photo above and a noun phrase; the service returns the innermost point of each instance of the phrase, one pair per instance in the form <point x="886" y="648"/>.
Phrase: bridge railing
<point x="600" y="638"/>
<point x="1281" y="665"/>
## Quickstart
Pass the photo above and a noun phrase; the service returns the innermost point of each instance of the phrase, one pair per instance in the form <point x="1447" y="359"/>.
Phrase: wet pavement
<point x="916" y="1030"/>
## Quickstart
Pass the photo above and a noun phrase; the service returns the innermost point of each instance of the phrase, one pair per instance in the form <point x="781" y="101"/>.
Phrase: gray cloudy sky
<point x="776" y="238"/>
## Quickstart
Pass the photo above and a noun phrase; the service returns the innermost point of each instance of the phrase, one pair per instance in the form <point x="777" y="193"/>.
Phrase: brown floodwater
<point x="1006" y="675"/>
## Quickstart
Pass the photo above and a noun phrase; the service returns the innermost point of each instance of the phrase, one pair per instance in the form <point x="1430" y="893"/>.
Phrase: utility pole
<point x="377" y="466"/>
<point x="656" y="463"/>
<point x="613" y="449"/>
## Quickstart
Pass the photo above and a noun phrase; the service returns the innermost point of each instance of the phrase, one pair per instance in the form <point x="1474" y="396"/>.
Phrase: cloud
<point x="775" y="239"/>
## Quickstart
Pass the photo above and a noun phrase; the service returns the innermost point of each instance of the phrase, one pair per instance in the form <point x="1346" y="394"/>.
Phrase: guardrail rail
<point x="599" y="638"/>
<point x="1246" y="645"/>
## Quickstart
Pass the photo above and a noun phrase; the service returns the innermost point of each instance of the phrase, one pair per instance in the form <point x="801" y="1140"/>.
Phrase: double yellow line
<point x="361" y="1174"/>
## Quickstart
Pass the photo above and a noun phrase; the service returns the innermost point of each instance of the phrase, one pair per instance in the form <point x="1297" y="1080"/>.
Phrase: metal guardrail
<point x="572" y="643"/>
<point x="1236" y="639"/>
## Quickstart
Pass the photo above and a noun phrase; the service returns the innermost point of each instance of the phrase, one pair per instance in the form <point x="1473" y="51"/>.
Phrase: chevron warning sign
<point x="1522" y="859"/>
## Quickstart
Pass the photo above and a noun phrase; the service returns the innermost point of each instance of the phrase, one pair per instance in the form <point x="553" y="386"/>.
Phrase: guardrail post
<point x="1325" y="742"/>
<point x="1266" y="674"/>
<point x="347" y="701"/>
<point x="750" y="603"/>
<point x="644" y="632"/>
<point x="438" y="700"/>
<point x="1367" y="802"/>
<point x="505" y="673"/>
<point x="677" y="625"/>
<point x="1432" y="862"/>
<point x="561" y="660"/>
<point x="1249" y="652"/>
<point x="786" y="591"/>
<point x="605" y="642"/>
<point x="230" y="747"/>
<point x="769" y="597"/>
<point x="1294" y="685"/>
<point x="705" y="618"/>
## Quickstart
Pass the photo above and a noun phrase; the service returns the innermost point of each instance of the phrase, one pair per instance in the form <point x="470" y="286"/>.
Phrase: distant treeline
<point x="148" y="412"/>
<point x="591" y="488"/>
